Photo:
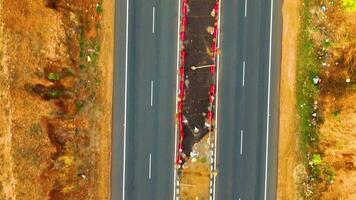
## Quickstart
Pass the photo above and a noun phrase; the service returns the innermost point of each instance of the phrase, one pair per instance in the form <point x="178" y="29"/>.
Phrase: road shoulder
<point x="288" y="155"/>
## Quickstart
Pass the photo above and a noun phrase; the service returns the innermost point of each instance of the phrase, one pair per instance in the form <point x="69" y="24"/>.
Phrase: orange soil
<point x="33" y="36"/>
<point x="288" y="146"/>
<point x="106" y="60"/>
<point x="195" y="177"/>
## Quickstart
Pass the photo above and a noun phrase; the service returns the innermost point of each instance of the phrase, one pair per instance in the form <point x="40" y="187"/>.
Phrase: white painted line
<point x="125" y="101"/>
<point x="268" y="99"/>
<point x="245" y="8"/>
<point x="175" y="189"/>
<point x="243" y="73"/>
<point x="151" y="93"/>
<point x="150" y="167"/>
<point x="153" y="19"/>
<point x="241" y="140"/>
<point x="239" y="198"/>
<point x="217" y="101"/>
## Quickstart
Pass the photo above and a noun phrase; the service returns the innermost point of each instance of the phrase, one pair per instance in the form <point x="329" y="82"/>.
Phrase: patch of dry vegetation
<point x="195" y="175"/>
<point x="51" y="101"/>
<point x="326" y="99"/>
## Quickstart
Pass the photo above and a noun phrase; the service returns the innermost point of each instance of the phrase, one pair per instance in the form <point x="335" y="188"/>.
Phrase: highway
<point x="249" y="97"/>
<point x="144" y="99"/>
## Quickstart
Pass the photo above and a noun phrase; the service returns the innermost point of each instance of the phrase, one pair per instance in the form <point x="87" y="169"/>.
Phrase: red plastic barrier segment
<point x="210" y="115"/>
<point x="181" y="71"/>
<point x="212" y="89"/>
<point x="182" y="36"/>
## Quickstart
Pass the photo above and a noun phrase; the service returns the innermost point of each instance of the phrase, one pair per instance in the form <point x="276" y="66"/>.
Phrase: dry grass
<point x="49" y="143"/>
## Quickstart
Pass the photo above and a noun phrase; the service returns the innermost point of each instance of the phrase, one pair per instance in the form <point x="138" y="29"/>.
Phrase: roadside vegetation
<point x="53" y="85"/>
<point x="326" y="73"/>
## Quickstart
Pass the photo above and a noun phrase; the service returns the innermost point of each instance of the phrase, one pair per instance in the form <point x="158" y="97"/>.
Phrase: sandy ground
<point x="195" y="177"/>
<point x="7" y="181"/>
<point x="288" y="148"/>
<point x="106" y="60"/>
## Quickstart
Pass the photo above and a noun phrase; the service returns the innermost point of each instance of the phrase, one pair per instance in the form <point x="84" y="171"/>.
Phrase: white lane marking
<point x="125" y="101"/>
<point x="268" y="99"/>
<point x="239" y="198"/>
<point x="150" y="167"/>
<point x="241" y="140"/>
<point x="217" y="101"/>
<point x="175" y="189"/>
<point x="245" y="8"/>
<point x="151" y="93"/>
<point x="153" y="19"/>
<point x="243" y="73"/>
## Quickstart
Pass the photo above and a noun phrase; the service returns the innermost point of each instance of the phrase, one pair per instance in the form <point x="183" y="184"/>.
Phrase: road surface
<point x="249" y="89"/>
<point x="144" y="99"/>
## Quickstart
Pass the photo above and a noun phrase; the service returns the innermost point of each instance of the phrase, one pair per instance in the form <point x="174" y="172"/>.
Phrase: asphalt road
<point x="144" y="100"/>
<point x="244" y="99"/>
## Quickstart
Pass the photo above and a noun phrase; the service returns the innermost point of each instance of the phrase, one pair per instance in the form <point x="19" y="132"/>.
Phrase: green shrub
<point x="54" y="76"/>
<point x="349" y="5"/>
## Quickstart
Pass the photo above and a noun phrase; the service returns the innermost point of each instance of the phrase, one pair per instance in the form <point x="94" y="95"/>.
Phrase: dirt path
<point x="288" y="147"/>
<point x="7" y="181"/>
<point x="107" y="65"/>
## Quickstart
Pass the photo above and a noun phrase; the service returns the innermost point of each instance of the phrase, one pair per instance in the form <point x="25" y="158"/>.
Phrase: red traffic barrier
<point x="215" y="33"/>
<point x="181" y="89"/>
<point x="180" y="109"/>
<point x="182" y="36"/>
<point x="185" y="9"/>
<point x="212" y="89"/>
<point x="216" y="8"/>
<point x="182" y="54"/>
<point x="212" y="69"/>
<point x="181" y="71"/>
<point x="210" y="115"/>
<point x="211" y="98"/>
<point x="184" y="21"/>
<point x="213" y="46"/>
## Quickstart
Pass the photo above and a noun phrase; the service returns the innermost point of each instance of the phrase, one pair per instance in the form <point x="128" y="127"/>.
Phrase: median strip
<point x="196" y="99"/>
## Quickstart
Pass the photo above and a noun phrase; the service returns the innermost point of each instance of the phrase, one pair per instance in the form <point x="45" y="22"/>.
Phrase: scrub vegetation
<point x="56" y="114"/>
<point x="326" y="104"/>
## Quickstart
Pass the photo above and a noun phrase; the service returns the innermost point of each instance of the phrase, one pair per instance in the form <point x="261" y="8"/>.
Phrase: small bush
<point x="349" y="5"/>
<point x="54" y="76"/>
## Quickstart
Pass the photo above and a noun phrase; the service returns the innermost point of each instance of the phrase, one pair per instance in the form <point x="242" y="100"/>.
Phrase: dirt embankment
<point x="288" y="155"/>
<point x="324" y="89"/>
<point x="55" y="99"/>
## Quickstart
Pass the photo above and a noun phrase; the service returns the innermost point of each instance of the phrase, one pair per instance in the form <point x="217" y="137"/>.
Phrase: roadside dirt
<point x="106" y="63"/>
<point x="55" y="99"/>
<point x="288" y="152"/>
<point x="195" y="175"/>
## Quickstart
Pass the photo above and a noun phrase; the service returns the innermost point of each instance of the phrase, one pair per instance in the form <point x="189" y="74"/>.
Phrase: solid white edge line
<point x="153" y="19"/>
<point x="151" y="93"/>
<point x="243" y="73"/>
<point x="245" y="8"/>
<point x="125" y="109"/>
<point x="176" y="109"/>
<point x="217" y="99"/>
<point x="268" y="98"/>
<point x="241" y="140"/>
<point x="150" y="167"/>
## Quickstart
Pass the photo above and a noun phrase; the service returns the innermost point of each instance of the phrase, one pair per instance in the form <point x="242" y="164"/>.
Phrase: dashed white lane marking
<point x="150" y="167"/>
<point x="243" y="72"/>
<point x="241" y="141"/>
<point x="245" y="8"/>
<point x="153" y="18"/>
<point x="151" y="93"/>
